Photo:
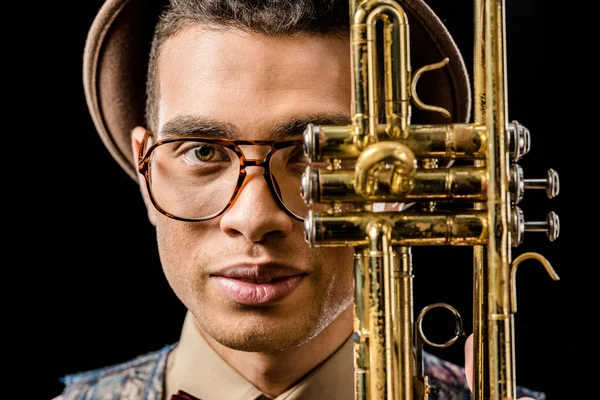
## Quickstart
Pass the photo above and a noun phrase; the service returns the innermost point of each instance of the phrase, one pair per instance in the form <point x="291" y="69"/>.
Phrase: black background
<point x="99" y="296"/>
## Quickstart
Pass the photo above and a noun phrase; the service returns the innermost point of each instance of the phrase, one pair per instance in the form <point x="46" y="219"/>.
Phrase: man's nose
<point x="256" y="214"/>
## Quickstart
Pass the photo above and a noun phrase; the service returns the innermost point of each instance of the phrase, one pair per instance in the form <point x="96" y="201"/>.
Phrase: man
<point x="269" y="317"/>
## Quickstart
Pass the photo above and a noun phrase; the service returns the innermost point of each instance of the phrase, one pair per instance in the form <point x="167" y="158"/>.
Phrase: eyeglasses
<point x="197" y="178"/>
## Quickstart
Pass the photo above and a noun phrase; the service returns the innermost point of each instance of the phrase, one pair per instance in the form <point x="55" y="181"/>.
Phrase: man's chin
<point x="262" y="333"/>
<point x="261" y="342"/>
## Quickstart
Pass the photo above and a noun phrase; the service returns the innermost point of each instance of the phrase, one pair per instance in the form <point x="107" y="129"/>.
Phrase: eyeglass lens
<point x="197" y="180"/>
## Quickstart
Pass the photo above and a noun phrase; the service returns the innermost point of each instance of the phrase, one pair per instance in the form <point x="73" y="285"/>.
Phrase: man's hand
<point x="469" y="365"/>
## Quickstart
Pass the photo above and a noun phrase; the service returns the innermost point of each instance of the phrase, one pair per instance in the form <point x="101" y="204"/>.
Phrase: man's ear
<point x="137" y="135"/>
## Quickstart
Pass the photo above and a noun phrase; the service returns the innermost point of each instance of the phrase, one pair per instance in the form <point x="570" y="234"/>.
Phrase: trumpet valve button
<point x="551" y="226"/>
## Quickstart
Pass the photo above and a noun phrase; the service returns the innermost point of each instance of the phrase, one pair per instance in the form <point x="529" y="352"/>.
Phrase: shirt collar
<point x="194" y="367"/>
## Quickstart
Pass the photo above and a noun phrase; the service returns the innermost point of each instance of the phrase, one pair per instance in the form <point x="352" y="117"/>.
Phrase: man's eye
<point x="205" y="153"/>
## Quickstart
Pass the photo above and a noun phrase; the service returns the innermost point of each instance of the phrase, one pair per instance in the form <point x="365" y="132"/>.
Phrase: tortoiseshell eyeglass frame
<point x="233" y="145"/>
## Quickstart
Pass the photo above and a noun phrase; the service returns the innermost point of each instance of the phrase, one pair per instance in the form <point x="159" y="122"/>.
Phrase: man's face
<point x="254" y="83"/>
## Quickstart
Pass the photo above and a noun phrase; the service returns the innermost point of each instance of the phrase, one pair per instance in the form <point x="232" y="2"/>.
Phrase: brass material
<point x="395" y="157"/>
<point x="396" y="58"/>
<point x="359" y="172"/>
<point x="439" y="184"/>
<point x="409" y="228"/>
<point x="413" y="88"/>
<point x="452" y="141"/>
<point x="458" y="329"/>
<point x="494" y="371"/>
<point x="513" y="273"/>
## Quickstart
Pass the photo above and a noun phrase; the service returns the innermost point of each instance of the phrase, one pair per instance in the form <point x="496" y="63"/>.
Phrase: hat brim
<point x="116" y="59"/>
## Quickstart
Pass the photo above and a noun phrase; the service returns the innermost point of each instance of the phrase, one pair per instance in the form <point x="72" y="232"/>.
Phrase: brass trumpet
<point x="382" y="159"/>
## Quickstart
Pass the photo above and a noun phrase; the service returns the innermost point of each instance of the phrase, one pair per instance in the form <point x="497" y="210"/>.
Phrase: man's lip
<point x="256" y="292"/>
<point x="259" y="271"/>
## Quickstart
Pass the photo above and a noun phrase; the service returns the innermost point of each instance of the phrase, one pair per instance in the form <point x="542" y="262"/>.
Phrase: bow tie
<point x="181" y="395"/>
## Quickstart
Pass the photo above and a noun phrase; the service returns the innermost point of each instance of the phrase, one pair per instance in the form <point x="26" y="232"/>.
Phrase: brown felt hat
<point x="116" y="56"/>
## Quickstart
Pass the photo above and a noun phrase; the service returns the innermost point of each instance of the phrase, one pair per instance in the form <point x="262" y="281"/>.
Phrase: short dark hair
<point x="269" y="17"/>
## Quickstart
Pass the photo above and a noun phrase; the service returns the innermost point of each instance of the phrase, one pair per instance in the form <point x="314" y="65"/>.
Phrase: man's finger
<point x="469" y="361"/>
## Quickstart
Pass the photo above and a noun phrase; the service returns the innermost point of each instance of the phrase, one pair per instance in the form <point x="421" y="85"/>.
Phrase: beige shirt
<point x="193" y="366"/>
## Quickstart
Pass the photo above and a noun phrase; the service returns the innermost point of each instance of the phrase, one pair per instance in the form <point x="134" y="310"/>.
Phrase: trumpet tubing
<point x="378" y="161"/>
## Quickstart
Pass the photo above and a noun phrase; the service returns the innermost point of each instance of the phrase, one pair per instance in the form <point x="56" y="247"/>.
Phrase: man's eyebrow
<point x="194" y="125"/>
